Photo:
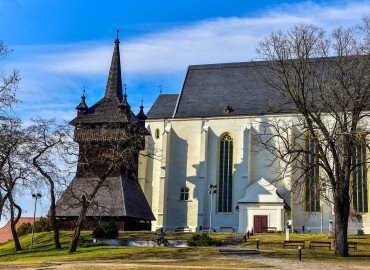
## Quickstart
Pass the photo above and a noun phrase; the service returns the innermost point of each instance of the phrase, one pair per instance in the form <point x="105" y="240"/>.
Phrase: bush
<point x="203" y="240"/>
<point x="108" y="230"/>
<point x="41" y="225"/>
<point x="24" y="228"/>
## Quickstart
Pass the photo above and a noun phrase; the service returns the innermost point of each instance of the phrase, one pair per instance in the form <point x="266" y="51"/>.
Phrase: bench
<point x="352" y="245"/>
<point x="269" y="229"/>
<point x="182" y="229"/>
<point x="293" y="244"/>
<point x="227" y="229"/>
<point x="204" y="229"/>
<point x="320" y="244"/>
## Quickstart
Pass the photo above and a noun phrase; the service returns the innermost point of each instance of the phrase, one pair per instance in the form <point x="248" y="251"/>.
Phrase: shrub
<point x="107" y="230"/>
<point x="24" y="228"/>
<point x="203" y="240"/>
<point x="42" y="225"/>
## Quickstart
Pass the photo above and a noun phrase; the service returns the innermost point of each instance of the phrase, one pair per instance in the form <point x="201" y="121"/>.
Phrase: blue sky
<point x="60" y="46"/>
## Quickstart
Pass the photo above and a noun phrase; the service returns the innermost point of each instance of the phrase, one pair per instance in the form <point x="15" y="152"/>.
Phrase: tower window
<point x="312" y="175"/>
<point x="184" y="194"/>
<point x="359" y="177"/>
<point x="156" y="133"/>
<point x="225" y="174"/>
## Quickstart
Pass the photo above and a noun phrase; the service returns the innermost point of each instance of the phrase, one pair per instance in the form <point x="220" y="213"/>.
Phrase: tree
<point x="101" y="159"/>
<point x="46" y="140"/>
<point x="323" y="79"/>
<point x="8" y="87"/>
<point x="13" y="173"/>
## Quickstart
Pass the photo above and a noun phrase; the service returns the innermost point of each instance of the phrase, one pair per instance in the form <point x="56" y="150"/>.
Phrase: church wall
<point x="195" y="165"/>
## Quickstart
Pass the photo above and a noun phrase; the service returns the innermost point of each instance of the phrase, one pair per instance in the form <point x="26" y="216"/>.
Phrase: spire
<point x="141" y="115"/>
<point x="82" y="107"/>
<point x="114" y="84"/>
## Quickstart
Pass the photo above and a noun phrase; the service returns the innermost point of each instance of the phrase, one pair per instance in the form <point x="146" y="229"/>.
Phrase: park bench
<point x="320" y="244"/>
<point x="269" y="229"/>
<point x="293" y="244"/>
<point x="352" y="245"/>
<point x="183" y="229"/>
<point x="204" y="229"/>
<point x="227" y="229"/>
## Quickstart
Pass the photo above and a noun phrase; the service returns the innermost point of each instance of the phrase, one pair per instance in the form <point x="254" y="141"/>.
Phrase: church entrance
<point x="260" y="223"/>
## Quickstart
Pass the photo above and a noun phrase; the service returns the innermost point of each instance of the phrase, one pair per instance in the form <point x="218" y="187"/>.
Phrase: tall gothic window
<point x="312" y="175"/>
<point x="359" y="177"/>
<point x="225" y="174"/>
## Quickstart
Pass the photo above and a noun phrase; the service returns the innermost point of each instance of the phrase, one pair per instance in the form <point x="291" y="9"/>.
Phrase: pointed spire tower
<point x="108" y="127"/>
<point x="141" y="115"/>
<point x="82" y="108"/>
<point x="114" y="83"/>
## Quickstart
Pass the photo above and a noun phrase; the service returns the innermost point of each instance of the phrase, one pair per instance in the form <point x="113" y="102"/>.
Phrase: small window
<point x="184" y="194"/>
<point x="156" y="133"/>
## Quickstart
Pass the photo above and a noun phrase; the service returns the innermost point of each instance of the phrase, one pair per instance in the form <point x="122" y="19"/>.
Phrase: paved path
<point x="290" y="264"/>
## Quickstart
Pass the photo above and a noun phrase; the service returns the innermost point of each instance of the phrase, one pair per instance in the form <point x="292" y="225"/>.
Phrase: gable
<point x="261" y="191"/>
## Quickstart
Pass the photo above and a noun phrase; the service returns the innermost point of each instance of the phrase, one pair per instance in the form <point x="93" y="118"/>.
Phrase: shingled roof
<point x="208" y="89"/>
<point x="163" y="106"/>
<point x="113" y="106"/>
<point x="118" y="197"/>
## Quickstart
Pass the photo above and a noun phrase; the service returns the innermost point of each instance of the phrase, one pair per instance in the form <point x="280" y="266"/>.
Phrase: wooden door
<point x="260" y="223"/>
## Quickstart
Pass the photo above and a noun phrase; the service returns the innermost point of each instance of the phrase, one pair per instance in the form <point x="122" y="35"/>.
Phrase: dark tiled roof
<point x="208" y="89"/>
<point x="164" y="106"/>
<point x="111" y="108"/>
<point x="117" y="197"/>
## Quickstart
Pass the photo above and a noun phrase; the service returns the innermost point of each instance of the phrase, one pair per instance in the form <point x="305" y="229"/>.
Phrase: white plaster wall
<point x="274" y="213"/>
<point x="185" y="157"/>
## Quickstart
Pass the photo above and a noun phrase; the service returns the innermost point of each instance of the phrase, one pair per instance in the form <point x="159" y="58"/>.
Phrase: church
<point x="205" y="171"/>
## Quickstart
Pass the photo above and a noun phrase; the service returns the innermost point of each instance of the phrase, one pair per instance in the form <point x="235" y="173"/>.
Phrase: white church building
<point x="204" y="136"/>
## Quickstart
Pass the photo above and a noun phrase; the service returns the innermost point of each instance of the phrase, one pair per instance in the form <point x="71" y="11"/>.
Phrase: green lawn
<point x="270" y="245"/>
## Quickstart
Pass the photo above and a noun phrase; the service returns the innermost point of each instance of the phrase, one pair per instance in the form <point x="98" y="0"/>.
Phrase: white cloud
<point x="210" y="41"/>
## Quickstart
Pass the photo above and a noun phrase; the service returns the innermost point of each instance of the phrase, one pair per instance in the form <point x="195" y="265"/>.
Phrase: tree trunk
<point x="79" y="225"/>
<point x="341" y="210"/>
<point x="54" y="221"/>
<point x="13" y="223"/>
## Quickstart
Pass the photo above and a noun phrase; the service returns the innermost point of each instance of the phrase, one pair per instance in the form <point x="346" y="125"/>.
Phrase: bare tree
<point x="8" y="87"/>
<point x="46" y="141"/>
<point x="101" y="159"/>
<point x="13" y="174"/>
<point x="8" y="84"/>
<point x="323" y="80"/>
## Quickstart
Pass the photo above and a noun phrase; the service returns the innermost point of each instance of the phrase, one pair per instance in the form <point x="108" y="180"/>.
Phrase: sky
<point x="60" y="46"/>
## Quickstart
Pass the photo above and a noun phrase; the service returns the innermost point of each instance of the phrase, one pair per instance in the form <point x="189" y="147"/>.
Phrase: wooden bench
<point x="227" y="229"/>
<point x="183" y="229"/>
<point x="352" y="245"/>
<point x="204" y="229"/>
<point x="320" y="244"/>
<point x="269" y="229"/>
<point x="293" y="244"/>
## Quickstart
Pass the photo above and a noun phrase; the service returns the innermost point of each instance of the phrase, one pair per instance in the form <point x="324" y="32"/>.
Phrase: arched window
<point x="312" y="175"/>
<point x="359" y="176"/>
<point x="156" y="133"/>
<point x="184" y="194"/>
<point x="225" y="174"/>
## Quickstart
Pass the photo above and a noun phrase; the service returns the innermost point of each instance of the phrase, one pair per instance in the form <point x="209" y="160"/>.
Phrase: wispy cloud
<point x="54" y="73"/>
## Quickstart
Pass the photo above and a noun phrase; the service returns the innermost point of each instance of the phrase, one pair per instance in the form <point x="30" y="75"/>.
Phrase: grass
<point x="43" y="248"/>
<point x="271" y="246"/>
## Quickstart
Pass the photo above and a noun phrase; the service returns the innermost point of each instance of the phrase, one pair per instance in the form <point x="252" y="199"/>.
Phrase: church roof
<point x="208" y="89"/>
<point x="163" y="106"/>
<point x="118" y="197"/>
<point x="112" y="107"/>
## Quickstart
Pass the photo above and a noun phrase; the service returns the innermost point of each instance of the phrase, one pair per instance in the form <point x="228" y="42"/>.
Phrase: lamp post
<point x="212" y="190"/>
<point x="36" y="197"/>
